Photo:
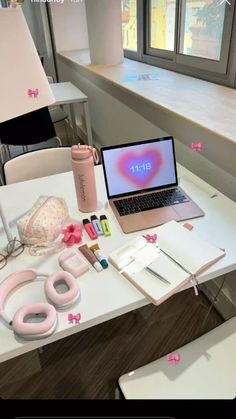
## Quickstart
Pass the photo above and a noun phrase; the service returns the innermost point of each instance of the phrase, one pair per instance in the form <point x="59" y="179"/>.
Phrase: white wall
<point x="105" y="31"/>
<point x="69" y="25"/>
<point x="33" y="17"/>
<point x="36" y="17"/>
<point x="29" y="14"/>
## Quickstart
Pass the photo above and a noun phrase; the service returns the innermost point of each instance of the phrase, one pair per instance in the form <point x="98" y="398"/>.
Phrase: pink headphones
<point x="47" y="326"/>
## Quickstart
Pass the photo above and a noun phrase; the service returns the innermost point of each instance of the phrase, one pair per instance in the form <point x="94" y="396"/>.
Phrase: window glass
<point x="202" y="28"/>
<point x="162" y="24"/>
<point x="129" y="24"/>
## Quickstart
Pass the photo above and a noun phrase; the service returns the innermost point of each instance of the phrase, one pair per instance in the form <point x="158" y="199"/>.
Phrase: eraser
<point x="188" y="226"/>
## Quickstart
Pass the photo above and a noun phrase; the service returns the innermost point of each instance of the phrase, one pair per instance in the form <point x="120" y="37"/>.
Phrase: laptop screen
<point x="140" y="166"/>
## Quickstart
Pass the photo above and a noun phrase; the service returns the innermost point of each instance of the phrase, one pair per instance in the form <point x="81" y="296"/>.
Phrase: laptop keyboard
<point x="150" y="201"/>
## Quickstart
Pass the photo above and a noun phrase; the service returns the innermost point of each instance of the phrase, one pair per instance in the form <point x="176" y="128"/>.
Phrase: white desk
<point x="67" y="93"/>
<point x="104" y="295"/>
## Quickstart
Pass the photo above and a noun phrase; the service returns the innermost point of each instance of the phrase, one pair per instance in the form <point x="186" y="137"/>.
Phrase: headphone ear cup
<point x="62" y="300"/>
<point x="40" y="329"/>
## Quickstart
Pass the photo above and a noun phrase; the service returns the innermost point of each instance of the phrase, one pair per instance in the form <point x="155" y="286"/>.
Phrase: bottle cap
<point x="98" y="266"/>
<point x="104" y="263"/>
<point x="86" y="221"/>
<point x="93" y="217"/>
<point x="103" y="217"/>
<point x="80" y="152"/>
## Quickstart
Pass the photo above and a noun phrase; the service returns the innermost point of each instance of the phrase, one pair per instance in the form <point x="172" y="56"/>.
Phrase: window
<point x="162" y="24"/>
<point x="129" y="24"/>
<point x="202" y="29"/>
<point x="189" y="36"/>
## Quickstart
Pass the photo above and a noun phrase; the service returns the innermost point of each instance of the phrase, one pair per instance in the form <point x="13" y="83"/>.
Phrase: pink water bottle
<point x="83" y="159"/>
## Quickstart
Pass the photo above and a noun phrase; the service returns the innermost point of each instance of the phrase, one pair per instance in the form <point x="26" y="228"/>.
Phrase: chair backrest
<point x="206" y="369"/>
<point x="39" y="163"/>
<point x="31" y="128"/>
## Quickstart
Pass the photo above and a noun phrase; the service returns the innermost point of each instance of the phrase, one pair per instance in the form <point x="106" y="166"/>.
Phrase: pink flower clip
<point x="72" y="234"/>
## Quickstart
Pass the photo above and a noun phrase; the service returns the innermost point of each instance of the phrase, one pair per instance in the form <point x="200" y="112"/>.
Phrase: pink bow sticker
<point x="140" y="168"/>
<point x="173" y="358"/>
<point x="74" y="318"/>
<point x="33" y="92"/>
<point x="196" y="146"/>
<point x="151" y="238"/>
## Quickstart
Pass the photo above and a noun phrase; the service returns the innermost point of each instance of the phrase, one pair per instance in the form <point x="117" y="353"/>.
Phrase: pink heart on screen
<point x="140" y="168"/>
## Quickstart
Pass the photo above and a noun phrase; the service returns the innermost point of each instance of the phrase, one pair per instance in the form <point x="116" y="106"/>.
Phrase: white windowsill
<point x="207" y="105"/>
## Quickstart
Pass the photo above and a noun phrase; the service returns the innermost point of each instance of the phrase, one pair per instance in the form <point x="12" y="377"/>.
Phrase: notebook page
<point x="152" y="286"/>
<point x="186" y="247"/>
<point x="142" y="258"/>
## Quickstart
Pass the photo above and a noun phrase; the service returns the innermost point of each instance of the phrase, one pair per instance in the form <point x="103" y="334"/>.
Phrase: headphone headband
<point x="12" y="281"/>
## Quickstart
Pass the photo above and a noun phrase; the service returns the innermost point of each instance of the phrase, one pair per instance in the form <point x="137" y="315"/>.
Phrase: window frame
<point x="137" y="55"/>
<point x="221" y="72"/>
<point x="157" y="52"/>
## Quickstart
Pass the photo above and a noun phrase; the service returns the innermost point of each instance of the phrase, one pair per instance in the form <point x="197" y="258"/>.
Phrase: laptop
<point x="142" y="184"/>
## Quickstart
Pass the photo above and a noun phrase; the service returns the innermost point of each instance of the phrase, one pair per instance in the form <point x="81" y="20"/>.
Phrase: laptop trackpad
<point x="187" y="210"/>
<point x="147" y="219"/>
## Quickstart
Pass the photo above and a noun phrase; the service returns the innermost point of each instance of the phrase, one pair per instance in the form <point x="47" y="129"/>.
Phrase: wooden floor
<point x="88" y="365"/>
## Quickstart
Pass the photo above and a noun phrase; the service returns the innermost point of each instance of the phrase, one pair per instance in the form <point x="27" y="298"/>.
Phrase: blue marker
<point x="97" y="225"/>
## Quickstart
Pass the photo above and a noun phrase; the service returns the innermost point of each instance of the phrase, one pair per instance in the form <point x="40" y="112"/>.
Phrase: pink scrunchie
<point x="72" y="234"/>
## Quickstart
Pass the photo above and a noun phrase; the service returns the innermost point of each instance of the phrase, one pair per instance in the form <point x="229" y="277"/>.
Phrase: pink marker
<point x="89" y="229"/>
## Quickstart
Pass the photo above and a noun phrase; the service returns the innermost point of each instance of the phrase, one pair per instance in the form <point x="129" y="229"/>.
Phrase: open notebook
<point x="178" y="257"/>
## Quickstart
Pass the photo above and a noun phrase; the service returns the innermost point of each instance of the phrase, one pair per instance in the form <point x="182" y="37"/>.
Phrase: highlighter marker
<point x="99" y="255"/>
<point x="96" y="224"/>
<point x="105" y="225"/>
<point x="89" y="229"/>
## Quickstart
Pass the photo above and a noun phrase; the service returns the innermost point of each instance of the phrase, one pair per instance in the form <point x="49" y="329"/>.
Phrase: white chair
<point x="37" y="164"/>
<point x="206" y="370"/>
